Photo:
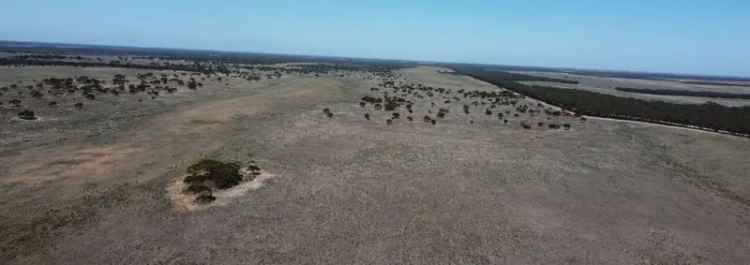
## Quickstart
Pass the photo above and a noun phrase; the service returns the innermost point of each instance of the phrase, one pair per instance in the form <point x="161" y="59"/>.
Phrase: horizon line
<point x="559" y="68"/>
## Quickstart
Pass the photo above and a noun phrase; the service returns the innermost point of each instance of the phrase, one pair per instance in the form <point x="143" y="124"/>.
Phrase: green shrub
<point x="391" y="103"/>
<point x="197" y="188"/>
<point x="223" y="175"/>
<point x="371" y="100"/>
<point x="27" y="115"/>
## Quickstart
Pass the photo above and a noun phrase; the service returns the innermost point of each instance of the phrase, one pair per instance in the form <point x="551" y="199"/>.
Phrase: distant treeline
<point x="15" y="61"/>
<point x="714" y="83"/>
<point x="687" y="93"/>
<point x="710" y="116"/>
<point x="655" y="76"/>
<point x="607" y="73"/>
<point x="522" y="77"/>
<point x="206" y="67"/>
<point x="57" y="49"/>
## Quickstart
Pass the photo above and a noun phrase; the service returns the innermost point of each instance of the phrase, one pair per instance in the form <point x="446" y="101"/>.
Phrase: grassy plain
<point x="91" y="187"/>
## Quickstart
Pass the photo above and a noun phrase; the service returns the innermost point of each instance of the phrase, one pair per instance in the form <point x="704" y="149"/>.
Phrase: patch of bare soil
<point x="85" y="163"/>
<point x="185" y="201"/>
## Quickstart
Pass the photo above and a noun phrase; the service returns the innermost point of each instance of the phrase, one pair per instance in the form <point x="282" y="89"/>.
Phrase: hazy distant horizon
<point x="561" y="68"/>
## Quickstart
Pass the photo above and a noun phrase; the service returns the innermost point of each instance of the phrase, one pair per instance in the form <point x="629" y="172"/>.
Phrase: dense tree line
<point x="687" y="93"/>
<point x="711" y="83"/>
<point x="735" y="120"/>
<point x="202" y="56"/>
<point x="606" y="73"/>
<point x="24" y="62"/>
<point x="521" y="77"/>
<point x="205" y="67"/>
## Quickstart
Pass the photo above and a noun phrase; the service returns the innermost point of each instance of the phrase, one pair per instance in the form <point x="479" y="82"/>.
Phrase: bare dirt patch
<point x="79" y="165"/>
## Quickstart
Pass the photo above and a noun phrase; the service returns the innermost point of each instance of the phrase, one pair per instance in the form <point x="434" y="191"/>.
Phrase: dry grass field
<point x="92" y="185"/>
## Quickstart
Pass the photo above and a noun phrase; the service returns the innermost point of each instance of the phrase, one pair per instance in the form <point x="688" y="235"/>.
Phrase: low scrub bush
<point x="27" y="115"/>
<point x="197" y="188"/>
<point x="223" y="175"/>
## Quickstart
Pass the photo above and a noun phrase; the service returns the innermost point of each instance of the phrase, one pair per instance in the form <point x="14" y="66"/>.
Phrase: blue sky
<point x="699" y="36"/>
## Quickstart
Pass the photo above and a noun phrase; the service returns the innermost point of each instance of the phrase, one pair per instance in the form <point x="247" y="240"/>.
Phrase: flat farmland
<point x="609" y="85"/>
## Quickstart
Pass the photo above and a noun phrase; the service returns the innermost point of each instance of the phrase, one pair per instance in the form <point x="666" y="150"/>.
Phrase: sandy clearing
<point x="87" y="163"/>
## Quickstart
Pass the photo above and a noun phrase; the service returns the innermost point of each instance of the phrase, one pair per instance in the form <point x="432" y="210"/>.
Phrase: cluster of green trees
<point x="188" y="68"/>
<point x="735" y="120"/>
<point x="208" y="173"/>
<point x="716" y="83"/>
<point x="222" y="175"/>
<point x="521" y="77"/>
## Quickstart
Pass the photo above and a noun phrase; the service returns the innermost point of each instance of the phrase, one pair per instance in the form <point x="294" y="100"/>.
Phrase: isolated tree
<point x="328" y="112"/>
<point x="192" y="84"/>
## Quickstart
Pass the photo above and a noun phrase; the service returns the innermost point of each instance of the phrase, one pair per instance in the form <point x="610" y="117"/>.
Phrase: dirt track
<point x="351" y="191"/>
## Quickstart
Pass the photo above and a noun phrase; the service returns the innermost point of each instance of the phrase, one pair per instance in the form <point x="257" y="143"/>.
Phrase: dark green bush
<point x="391" y="104"/>
<point x="27" y="115"/>
<point x="197" y="188"/>
<point x="223" y="175"/>
<point x="372" y="100"/>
